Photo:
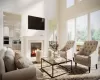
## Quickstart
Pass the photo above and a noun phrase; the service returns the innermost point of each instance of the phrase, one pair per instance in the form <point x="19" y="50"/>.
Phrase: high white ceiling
<point x="17" y="6"/>
<point x="12" y="8"/>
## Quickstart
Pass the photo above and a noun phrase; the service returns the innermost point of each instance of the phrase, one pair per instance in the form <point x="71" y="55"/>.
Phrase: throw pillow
<point x="9" y="60"/>
<point x="17" y="56"/>
<point x="22" y="62"/>
<point x="2" y="52"/>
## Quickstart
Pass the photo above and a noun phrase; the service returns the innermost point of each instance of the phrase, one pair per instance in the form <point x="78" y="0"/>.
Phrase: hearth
<point x="34" y="47"/>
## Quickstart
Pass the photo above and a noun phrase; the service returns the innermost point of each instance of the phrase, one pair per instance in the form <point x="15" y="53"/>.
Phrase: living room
<point x="64" y="20"/>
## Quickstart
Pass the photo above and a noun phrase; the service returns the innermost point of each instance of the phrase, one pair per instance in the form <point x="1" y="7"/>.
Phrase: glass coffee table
<point x="52" y="63"/>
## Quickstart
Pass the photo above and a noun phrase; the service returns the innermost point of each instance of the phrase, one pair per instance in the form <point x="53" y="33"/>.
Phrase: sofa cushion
<point x="2" y="52"/>
<point x="17" y="56"/>
<point x="22" y="62"/>
<point x="9" y="60"/>
<point x="85" y="60"/>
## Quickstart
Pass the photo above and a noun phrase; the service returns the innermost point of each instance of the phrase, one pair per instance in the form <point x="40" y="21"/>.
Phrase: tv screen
<point x="36" y="23"/>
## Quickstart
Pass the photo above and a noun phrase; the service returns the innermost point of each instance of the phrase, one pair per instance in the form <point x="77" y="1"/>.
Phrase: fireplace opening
<point x="34" y="47"/>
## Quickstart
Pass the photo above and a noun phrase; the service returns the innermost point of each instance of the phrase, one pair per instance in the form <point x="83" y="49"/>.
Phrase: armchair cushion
<point x="62" y="54"/>
<point x="82" y="59"/>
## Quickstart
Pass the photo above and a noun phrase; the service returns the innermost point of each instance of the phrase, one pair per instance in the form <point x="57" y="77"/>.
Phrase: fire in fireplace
<point x="34" y="47"/>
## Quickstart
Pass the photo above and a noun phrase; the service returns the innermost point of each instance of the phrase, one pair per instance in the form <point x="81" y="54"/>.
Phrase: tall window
<point x="79" y="0"/>
<point x="95" y="25"/>
<point x="81" y="29"/>
<point x="71" y="29"/>
<point x="69" y="3"/>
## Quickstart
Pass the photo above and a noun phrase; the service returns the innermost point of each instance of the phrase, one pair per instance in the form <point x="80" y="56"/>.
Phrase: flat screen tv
<point x="36" y="23"/>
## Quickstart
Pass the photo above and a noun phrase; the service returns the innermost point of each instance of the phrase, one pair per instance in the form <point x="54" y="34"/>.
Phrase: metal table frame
<point x="52" y="75"/>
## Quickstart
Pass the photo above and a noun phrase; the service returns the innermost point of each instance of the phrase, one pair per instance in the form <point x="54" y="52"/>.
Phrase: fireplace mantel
<point x="26" y="43"/>
<point x="36" y="41"/>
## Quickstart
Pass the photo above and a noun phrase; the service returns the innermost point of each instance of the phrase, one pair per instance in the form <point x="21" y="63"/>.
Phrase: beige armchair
<point x="67" y="49"/>
<point x="88" y="55"/>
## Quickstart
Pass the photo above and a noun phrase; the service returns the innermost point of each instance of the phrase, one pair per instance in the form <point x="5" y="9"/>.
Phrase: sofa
<point x="10" y="71"/>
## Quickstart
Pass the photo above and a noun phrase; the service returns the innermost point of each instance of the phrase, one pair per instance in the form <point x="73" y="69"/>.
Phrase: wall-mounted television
<point x="36" y="23"/>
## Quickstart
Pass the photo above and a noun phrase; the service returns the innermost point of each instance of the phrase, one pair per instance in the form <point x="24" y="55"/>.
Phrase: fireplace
<point x="34" y="47"/>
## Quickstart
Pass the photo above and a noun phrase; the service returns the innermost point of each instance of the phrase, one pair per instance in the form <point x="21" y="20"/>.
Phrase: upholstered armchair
<point x="67" y="49"/>
<point x="88" y="55"/>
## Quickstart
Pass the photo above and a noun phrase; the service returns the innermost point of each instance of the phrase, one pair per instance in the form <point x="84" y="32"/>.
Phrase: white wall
<point x="46" y="9"/>
<point x="40" y="8"/>
<point x="35" y="10"/>
<point x="51" y="12"/>
<point x="1" y="29"/>
<point x="80" y="8"/>
<point x="28" y="34"/>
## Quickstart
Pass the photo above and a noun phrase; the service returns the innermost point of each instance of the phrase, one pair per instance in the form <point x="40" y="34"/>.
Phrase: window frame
<point x="68" y="5"/>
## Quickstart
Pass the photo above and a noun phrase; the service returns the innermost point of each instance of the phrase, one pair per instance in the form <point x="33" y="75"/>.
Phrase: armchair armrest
<point x="94" y="58"/>
<point x="20" y="74"/>
<point x="62" y="54"/>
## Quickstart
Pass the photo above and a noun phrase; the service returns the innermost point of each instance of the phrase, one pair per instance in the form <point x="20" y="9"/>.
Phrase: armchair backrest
<point x="68" y="45"/>
<point x="89" y="47"/>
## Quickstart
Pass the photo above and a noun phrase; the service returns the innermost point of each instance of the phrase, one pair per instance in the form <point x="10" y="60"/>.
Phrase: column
<point x="1" y="29"/>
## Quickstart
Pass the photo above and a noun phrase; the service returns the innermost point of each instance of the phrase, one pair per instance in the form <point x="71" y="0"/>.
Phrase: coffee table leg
<point x="52" y="71"/>
<point x="71" y="65"/>
<point x="41" y="63"/>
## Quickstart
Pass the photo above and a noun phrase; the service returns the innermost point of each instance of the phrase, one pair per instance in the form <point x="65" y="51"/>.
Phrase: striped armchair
<point x="88" y="55"/>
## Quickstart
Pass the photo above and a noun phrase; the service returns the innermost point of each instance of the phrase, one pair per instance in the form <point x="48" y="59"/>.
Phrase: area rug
<point x="66" y="69"/>
<point x="75" y="70"/>
<point x="78" y="73"/>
